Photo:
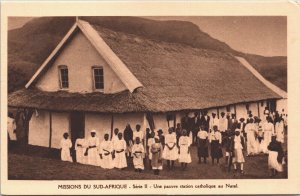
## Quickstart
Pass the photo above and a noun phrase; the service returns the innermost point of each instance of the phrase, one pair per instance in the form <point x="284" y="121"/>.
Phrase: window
<point x="64" y="77"/>
<point x="98" y="78"/>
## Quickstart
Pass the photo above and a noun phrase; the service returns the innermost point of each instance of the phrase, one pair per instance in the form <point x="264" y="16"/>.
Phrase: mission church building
<point x="101" y="79"/>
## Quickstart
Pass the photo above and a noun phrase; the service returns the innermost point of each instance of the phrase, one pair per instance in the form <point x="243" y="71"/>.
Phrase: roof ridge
<point x="267" y="83"/>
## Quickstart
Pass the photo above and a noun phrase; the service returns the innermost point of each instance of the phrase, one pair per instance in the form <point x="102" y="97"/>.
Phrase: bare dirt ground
<point x="30" y="167"/>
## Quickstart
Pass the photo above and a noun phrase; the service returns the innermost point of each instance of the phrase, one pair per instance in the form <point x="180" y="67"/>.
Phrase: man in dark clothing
<point x="204" y="120"/>
<point x="128" y="136"/>
<point x="195" y="124"/>
<point x="232" y="123"/>
<point x="185" y="122"/>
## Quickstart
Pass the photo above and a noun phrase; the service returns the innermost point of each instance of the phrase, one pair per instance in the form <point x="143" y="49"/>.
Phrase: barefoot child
<point x="119" y="145"/>
<point x="156" y="151"/>
<point x="65" y="145"/>
<point x="184" y="150"/>
<point x="138" y="155"/>
<point x="105" y="152"/>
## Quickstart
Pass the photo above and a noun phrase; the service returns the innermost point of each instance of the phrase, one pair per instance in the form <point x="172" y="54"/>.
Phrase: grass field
<point x="30" y="167"/>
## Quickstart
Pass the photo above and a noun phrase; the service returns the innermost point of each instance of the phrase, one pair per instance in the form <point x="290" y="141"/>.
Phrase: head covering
<point x="156" y="137"/>
<point x="237" y="129"/>
<point x="93" y="131"/>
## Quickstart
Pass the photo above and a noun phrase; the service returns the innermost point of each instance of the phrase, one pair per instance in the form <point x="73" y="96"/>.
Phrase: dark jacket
<point x="205" y="122"/>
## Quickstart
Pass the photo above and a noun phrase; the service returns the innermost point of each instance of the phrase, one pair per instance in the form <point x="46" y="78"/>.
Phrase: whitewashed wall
<point x="282" y="104"/>
<point x="99" y="122"/>
<point x="121" y="120"/>
<point x="80" y="56"/>
<point x="160" y="122"/>
<point x="39" y="127"/>
<point x="60" y="125"/>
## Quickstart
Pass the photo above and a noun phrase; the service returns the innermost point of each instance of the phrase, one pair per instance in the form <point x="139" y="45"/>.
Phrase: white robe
<point x="168" y="154"/>
<point x="268" y="129"/>
<point x="252" y="145"/>
<point x="279" y="130"/>
<point x="93" y="155"/>
<point x="238" y="149"/>
<point x="106" y="147"/>
<point x="80" y="150"/>
<point x="11" y="126"/>
<point x="120" y="158"/>
<point x="223" y="122"/>
<point x="65" y="145"/>
<point x="273" y="163"/>
<point x="138" y="160"/>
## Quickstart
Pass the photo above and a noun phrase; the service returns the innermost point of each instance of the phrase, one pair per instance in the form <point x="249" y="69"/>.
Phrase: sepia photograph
<point x="147" y="97"/>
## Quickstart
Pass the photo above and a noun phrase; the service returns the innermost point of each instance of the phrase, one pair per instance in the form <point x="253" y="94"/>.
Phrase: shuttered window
<point x="64" y="77"/>
<point x="98" y="78"/>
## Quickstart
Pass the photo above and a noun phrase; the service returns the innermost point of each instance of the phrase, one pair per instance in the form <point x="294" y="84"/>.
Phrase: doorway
<point x="77" y="125"/>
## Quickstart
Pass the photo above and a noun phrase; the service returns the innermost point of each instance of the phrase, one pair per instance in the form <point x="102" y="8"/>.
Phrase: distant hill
<point x="30" y="45"/>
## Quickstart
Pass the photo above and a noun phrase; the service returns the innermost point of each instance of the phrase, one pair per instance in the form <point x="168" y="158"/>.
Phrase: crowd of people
<point x="249" y="136"/>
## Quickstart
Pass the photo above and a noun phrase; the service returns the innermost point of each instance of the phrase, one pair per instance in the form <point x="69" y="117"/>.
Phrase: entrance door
<point x="77" y="129"/>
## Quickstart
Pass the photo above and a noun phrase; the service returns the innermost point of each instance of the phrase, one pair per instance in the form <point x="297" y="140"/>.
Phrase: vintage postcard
<point x="150" y="98"/>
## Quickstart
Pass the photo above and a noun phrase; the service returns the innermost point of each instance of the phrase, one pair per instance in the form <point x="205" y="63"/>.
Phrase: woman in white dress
<point x="92" y="149"/>
<point x="170" y="152"/>
<point x="251" y="130"/>
<point x="184" y="150"/>
<point x="279" y="130"/>
<point x="80" y="147"/>
<point x="120" y="161"/>
<point x="269" y="131"/>
<point x="65" y="145"/>
<point x="138" y="155"/>
<point x="105" y="152"/>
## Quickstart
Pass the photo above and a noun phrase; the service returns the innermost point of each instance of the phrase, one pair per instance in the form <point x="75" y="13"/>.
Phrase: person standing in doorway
<point x="65" y="145"/>
<point x="80" y="148"/>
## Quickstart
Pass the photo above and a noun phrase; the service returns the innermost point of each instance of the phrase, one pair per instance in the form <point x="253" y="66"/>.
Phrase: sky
<point x="262" y="35"/>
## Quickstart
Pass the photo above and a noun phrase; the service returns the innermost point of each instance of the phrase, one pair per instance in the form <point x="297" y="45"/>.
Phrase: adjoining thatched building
<point x="101" y="79"/>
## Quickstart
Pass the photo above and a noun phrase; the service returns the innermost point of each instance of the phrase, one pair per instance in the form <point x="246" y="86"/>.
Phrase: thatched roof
<point x="175" y="77"/>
